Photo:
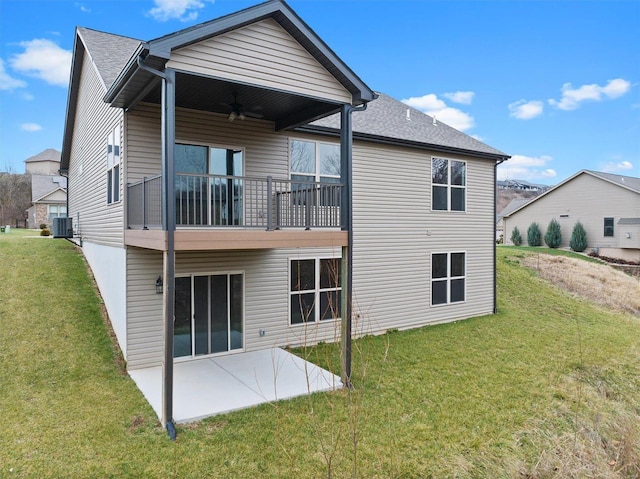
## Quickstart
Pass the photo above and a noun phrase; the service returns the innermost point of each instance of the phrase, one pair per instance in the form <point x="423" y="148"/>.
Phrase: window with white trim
<point x="315" y="288"/>
<point x="113" y="166"/>
<point x="608" y="226"/>
<point x="56" y="211"/>
<point x="448" y="185"/>
<point x="448" y="278"/>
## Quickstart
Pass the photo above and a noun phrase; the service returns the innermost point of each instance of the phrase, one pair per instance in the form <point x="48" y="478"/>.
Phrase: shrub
<point x="553" y="236"/>
<point x="43" y="226"/>
<point x="578" y="240"/>
<point x="534" y="236"/>
<point x="45" y="232"/>
<point x="516" y="237"/>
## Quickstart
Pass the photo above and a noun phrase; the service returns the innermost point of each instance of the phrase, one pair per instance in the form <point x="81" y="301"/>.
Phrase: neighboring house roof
<point x="513" y="205"/>
<point x="44" y="185"/>
<point x="47" y="155"/>
<point x="629" y="221"/>
<point x="389" y="119"/>
<point x="628" y="182"/>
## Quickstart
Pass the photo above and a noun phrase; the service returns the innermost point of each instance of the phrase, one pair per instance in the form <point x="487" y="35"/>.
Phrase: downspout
<point x="169" y="225"/>
<point x="346" y="207"/>
<point x="495" y="246"/>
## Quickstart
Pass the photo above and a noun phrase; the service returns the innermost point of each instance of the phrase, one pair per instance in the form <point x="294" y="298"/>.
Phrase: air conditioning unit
<point x="63" y="227"/>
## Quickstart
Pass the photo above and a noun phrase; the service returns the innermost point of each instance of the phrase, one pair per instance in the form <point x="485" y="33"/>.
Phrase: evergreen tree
<point x="578" y="240"/>
<point x="534" y="236"/>
<point x="516" y="238"/>
<point x="553" y="236"/>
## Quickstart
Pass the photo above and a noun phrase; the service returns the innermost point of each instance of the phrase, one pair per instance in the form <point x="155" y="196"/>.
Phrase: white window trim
<point x="194" y="357"/>
<point x="449" y="185"/>
<point x="447" y="279"/>
<point x="316" y="291"/>
<point x="114" y="163"/>
<point x="316" y="175"/>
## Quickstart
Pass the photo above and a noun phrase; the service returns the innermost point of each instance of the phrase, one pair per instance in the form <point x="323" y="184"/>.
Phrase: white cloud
<point x="528" y="168"/>
<point x="28" y="96"/>
<point x="573" y="97"/>
<point x="612" y="167"/>
<point x="434" y="106"/>
<point x="45" y="60"/>
<point x="464" y="97"/>
<point x="30" y="127"/>
<point x="526" y="110"/>
<point x="82" y="7"/>
<point x="7" y="82"/>
<point x="183" y="10"/>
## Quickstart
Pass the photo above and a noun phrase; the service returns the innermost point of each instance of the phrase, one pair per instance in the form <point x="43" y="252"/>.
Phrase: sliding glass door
<point x="209" y="314"/>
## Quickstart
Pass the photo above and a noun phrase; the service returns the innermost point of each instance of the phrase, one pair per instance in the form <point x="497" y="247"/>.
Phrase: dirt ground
<point x="597" y="282"/>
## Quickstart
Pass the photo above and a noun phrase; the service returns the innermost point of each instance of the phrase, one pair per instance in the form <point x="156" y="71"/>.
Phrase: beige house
<point x="239" y="177"/>
<point x="607" y="205"/>
<point x="46" y="162"/>
<point x="48" y="189"/>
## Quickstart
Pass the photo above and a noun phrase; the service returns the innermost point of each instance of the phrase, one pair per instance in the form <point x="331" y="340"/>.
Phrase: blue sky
<point x="554" y="84"/>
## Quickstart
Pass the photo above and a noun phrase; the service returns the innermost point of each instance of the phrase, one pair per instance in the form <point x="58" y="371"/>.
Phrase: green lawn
<point x="548" y="387"/>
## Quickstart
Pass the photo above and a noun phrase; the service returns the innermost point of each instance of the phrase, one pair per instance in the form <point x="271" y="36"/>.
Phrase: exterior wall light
<point x="159" y="286"/>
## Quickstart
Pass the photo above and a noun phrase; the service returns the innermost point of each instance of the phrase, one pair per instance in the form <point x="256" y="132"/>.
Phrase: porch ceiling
<point x="210" y="94"/>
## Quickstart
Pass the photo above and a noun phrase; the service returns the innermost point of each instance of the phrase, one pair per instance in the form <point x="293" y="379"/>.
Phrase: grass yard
<point x="547" y="388"/>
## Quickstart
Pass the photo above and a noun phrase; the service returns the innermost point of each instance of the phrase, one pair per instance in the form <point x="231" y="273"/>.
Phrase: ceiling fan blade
<point x="251" y="114"/>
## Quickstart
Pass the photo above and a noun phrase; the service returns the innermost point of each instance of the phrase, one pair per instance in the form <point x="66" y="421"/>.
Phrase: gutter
<point x="495" y="246"/>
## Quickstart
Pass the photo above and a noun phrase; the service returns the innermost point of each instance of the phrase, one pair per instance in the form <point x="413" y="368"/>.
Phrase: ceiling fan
<point x="237" y="110"/>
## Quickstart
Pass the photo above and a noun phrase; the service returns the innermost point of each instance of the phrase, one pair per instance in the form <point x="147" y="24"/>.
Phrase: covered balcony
<point x="236" y="212"/>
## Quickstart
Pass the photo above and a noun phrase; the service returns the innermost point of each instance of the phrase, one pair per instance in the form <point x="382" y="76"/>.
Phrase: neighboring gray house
<point x="49" y="198"/>
<point x="48" y="188"/>
<point x="297" y="216"/>
<point x="607" y="205"/>
<point x="46" y="162"/>
<point x="513" y="205"/>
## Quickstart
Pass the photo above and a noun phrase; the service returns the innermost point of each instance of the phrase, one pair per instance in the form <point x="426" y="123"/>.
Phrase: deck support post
<point x="346" y="144"/>
<point x="169" y="225"/>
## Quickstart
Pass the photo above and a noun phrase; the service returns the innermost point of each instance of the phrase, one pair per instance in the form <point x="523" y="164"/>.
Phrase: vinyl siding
<point x="266" y="300"/>
<point x="93" y="219"/>
<point x="263" y="54"/>
<point x="265" y="153"/>
<point x="395" y="232"/>
<point x="265" y="272"/>
<point x="585" y="198"/>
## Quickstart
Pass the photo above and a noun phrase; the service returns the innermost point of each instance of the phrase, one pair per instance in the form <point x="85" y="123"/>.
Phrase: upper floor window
<point x="448" y="184"/>
<point x="448" y="277"/>
<point x="608" y="226"/>
<point x="314" y="290"/>
<point x="113" y="166"/>
<point x="312" y="161"/>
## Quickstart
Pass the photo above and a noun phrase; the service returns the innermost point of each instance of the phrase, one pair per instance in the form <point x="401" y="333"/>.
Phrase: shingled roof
<point x="389" y="118"/>
<point x="47" y="155"/>
<point x="629" y="182"/>
<point x="110" y="53"/>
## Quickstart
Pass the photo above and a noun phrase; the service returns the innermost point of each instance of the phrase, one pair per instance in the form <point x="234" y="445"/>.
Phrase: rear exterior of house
<point x="607" y="205"/>
<point x="260" y="134"/>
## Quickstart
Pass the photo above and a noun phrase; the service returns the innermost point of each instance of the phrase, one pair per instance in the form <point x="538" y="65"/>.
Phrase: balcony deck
<point x="237" y="213"/>
<point x="188" y="239"/>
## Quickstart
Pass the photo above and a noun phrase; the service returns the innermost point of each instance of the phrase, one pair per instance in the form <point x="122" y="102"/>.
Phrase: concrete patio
<point x="216" y="385"/>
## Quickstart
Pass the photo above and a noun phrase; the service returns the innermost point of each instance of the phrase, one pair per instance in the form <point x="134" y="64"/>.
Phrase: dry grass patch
<point x="596" y="282"/>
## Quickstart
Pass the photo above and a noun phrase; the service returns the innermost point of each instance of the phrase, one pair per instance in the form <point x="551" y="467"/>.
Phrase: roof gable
<point x="109" y="53"/>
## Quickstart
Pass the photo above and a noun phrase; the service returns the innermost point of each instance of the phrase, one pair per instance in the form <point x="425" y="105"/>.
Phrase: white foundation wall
<point x="108" y="264"/>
